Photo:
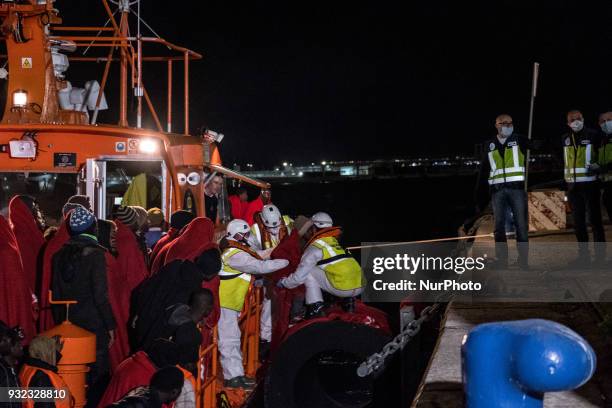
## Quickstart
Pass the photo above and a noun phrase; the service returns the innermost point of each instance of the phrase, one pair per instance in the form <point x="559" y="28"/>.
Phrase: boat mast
<point x="124" y="7"/>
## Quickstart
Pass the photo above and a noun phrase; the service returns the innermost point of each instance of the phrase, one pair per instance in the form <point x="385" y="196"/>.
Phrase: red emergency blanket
<point x="119" y="298"/>
<point x="196" y="238"/>
<point x="133" y="372"/>
<point x="29" y="238"/>
<point x="130" y="259"/>
<point x="15" y="294"/>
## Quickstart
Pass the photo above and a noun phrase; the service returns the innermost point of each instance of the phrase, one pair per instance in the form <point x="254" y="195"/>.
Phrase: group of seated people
<point x="152" y="291"/>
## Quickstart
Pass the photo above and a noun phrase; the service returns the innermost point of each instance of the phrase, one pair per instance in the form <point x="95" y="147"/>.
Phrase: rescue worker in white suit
<point x="325" y="266"/>
<point x="268" y="230"/>
<point x="240" y="261"/>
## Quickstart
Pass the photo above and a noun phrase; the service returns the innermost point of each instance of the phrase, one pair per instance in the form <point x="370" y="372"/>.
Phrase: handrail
<point x="206" y="381"/>
<point x="249" y="327"/>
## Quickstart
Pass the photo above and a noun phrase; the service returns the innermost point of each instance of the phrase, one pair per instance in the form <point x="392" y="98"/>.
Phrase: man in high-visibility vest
<point x="503" y="166"/>
<point x="580" y="172"/>
<point x="605" y="160"/>
<point x="240" y="261"/>
<point x="268" y="230"/>
<point x="325" y="266"/>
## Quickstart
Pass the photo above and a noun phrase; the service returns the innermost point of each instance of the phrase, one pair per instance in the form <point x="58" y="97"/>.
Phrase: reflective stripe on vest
<point x="234" y="284"/>
<point x="577" y="160"/>
<point x="605" y="160"/>
<point x="342" y="270"/>
<point x="509" y="168"/>
<point x="25" y="376"/>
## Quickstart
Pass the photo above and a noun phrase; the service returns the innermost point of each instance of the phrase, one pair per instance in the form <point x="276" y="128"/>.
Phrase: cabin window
<point x="52" y="190"/>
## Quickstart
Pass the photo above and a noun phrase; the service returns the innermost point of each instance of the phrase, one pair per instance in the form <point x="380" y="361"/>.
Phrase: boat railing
<point x="208" y="367"/>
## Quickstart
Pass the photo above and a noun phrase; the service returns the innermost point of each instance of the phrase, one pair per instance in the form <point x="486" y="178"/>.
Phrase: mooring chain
<point x="377" y="360"/>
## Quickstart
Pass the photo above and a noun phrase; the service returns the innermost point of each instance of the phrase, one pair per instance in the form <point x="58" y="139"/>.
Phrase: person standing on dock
<point x="580" y="173"/>
<point x="605" y="160"/>
<point x="503" y="166"/>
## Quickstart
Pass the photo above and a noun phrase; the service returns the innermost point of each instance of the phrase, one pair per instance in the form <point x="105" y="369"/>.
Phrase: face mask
<point x="506" y="131"/>
<point x="273" y="230"/>
<point x="577" y="125"/>
<point x="606" y="127"/>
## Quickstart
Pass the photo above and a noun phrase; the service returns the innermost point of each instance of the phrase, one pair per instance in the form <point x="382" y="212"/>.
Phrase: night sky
<point x="312" y="81"/>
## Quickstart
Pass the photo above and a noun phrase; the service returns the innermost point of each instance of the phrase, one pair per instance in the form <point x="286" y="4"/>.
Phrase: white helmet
<point x="236" y="227"/>
<point x="271" y="216"/>
<point x="322" y="220"/>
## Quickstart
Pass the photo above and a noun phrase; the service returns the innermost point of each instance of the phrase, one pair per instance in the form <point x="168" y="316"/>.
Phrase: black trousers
<point x="584" y="199"/>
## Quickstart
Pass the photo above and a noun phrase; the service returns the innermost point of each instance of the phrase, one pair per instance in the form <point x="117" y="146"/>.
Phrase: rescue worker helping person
<point x="268" y="230"/>
<point x="240" y="261"/>
<point x="325" y="266"/>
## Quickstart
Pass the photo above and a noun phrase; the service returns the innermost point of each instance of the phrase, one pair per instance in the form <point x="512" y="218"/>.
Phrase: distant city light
<point x="285" y="164"/>
<point x="323" y="163"/>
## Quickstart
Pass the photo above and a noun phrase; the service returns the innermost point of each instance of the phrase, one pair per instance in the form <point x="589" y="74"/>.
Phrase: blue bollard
<point x="512" y="364"/>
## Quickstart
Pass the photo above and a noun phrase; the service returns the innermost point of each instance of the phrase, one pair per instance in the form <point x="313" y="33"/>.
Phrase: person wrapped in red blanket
<point x="178" y="221"/>
<point x="28" y="226"/>
<point x="196" y="238"/>
<point x="138" y="369"/>
<point x="15" y="294"/>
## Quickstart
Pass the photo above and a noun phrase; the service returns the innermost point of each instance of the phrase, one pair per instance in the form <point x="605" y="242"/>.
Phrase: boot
<point x="314" y="310"/>
<point x="348" y="304"/>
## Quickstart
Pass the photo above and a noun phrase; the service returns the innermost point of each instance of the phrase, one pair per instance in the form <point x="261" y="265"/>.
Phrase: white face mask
<point x="506" y="131"/>
<point x="606" y="127"/>
<point x="577" y="125"/>
<point x="273" y="230"/>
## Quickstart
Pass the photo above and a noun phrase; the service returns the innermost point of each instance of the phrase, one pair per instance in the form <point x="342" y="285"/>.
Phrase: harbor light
<point x="148" y="146"/>
<point x="20" y="98"/>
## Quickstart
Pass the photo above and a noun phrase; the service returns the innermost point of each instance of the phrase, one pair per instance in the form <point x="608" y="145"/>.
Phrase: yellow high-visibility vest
<point x="234" y="284"/>
<point x="342" y="270"/>
<point x="507" y="168"/>
<point x="577" y="159"/>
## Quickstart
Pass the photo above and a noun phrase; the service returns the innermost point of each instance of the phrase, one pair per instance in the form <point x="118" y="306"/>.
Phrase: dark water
<point x="384" y="210"/>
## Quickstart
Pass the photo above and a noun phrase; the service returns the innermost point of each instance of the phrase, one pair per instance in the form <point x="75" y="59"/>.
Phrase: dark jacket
<point x="182" y="330"/>
<point x="79" y="273"/>
<point x="141" y="397"/>
<point x="173" y="284"/>
<point x="8" y="378"/>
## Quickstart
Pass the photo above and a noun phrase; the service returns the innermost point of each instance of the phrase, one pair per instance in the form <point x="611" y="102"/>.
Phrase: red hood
<point x="251" y="208"/>
<point x="134" y="372"/>
<point x="130" y="259"/>
<point x="195" y="238"/>
<point x="169" y="237"/>
<point x="29" y="237"/>
<point x="16" y="298"/>
<point x="62" y="236"/>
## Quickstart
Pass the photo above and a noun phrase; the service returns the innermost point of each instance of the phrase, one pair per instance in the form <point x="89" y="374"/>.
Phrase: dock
<point x="442" y="383"/>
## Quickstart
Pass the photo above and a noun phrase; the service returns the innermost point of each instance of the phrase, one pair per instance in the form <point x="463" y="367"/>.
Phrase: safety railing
<point x="249" y="326"/>
<point x="206" y="383"/>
